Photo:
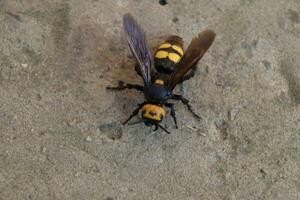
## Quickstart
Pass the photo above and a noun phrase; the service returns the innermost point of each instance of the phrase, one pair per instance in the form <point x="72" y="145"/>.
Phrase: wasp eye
<point x="143" y="112"/>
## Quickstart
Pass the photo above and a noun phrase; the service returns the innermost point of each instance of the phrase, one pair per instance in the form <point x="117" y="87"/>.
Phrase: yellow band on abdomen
<point x="174" y="57"/>
<point x="164" y="46"/>
<point x="178" y="49"/>
<point x="161" y="54"/>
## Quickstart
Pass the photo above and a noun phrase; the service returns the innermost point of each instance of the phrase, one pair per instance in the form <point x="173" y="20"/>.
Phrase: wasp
<point x="170" y="66"/>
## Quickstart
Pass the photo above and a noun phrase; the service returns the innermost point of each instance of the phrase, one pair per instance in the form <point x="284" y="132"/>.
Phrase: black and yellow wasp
<point x="171" y="65"/>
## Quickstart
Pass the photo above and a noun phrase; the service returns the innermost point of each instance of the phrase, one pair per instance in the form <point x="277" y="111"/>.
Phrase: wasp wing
<point x="135" y="37"/>
<point x="192" y="55"/>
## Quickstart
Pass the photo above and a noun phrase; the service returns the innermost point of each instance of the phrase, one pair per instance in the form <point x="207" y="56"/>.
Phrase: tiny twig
<point x="195" y="129"/>
<point x="190" y="127"/>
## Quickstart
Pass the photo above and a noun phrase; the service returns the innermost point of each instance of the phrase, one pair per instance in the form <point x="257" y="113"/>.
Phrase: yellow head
<point x="153" y="113"/>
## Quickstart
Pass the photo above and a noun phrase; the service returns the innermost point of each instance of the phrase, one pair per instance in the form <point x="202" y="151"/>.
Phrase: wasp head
<point x="153" y="114"/>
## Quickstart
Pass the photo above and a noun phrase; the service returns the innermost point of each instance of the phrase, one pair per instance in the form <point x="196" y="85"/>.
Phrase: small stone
<point x="24" y="65"/>
<point x="175" y="19"/>
<point x="88" y="139"/>
<point x="39" y="97"/>
<point x="281" y="175"/>
<point x="233" y="113"/>
<point x="72" y="122"/>
<point x="294" y="16"/>
<point x="284" y="98"/>
<point x="44" y="149"/>
<point x="162" y="2"/>
<point x="263" y="173"/>
<point x="267" y="64"/>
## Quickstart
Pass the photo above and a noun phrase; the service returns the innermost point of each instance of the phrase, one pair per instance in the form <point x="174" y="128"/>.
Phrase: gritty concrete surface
<point x="60" y="130"/>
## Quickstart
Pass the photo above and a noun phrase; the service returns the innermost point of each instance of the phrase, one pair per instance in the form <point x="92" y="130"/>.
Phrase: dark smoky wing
<point x="135" y="37"/>
<point x="192" y="55"/>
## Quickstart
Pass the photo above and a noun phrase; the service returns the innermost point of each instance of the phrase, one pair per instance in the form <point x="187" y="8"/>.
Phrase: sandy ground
<point x="60" y="131"/>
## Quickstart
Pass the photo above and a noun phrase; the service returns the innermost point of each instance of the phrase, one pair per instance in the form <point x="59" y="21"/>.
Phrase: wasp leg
<point x="160" y="126"/>
<point x="155" y="127"/>
<point x="189" y="75"/>
<point x="185" y="102"/>
<point x="173" y="114"/>
<point x="134" y="113"/>
<point x="123" y="86"/>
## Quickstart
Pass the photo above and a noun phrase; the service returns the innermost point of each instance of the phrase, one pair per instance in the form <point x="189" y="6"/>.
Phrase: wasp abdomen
<point x="168" y="54"/>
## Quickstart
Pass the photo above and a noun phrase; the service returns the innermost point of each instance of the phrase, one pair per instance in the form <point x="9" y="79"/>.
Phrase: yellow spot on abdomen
<point x="164" y="46"/>
<point x="159" y="82"/>
<point x="174" y="57"/>
<point x="161" y="54"/>
<point x="178" y="49"/>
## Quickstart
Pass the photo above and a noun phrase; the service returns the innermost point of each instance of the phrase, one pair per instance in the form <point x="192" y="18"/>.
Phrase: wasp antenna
<point x="160" y="126"/>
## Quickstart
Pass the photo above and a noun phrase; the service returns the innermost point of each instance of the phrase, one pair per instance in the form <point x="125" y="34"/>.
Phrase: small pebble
<point x="175" y="19"/>
<point x="44" y="149"/>
<point x="162" y="2"/>
<point x="24" y="65"/>
<point x="233" y="113"/>
<point x="281" y="175"/>
<point x="88" y="139"/>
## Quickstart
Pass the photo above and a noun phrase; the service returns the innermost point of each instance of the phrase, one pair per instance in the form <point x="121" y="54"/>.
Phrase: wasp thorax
<point x="153" y="112"/>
